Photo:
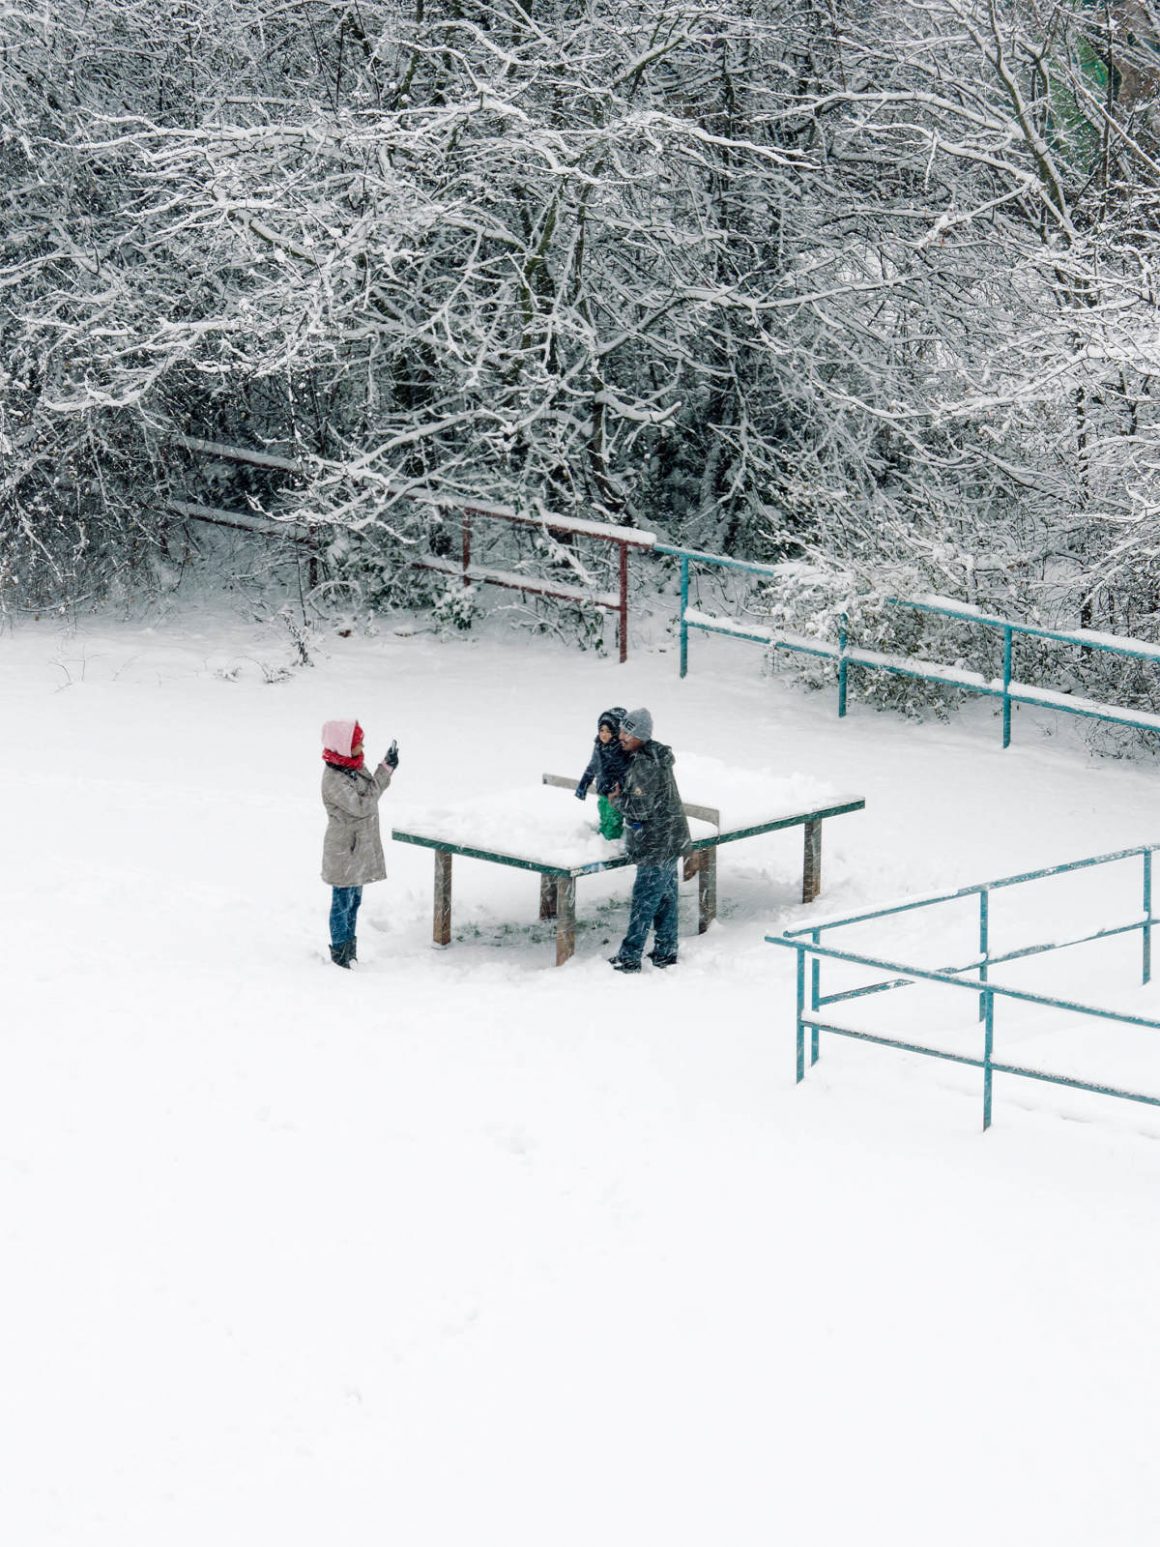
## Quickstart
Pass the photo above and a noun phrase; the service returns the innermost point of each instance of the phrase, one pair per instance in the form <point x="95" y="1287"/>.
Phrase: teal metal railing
<point x="690" y="619"/>
<point x="811" y="952"/>
<point x="1004" y="687"/>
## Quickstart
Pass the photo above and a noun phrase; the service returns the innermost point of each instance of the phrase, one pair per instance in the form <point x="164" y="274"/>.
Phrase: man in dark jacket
<point x="656" y="833"/>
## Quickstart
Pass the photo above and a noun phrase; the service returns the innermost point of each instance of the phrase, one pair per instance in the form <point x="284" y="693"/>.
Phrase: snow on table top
<point x="533" y="822"/>
<point x="746" y="796"/>
<point x="545" y="825"/>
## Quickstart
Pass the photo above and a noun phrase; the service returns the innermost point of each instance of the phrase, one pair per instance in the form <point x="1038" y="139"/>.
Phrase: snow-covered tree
<point x="872" y="282"/>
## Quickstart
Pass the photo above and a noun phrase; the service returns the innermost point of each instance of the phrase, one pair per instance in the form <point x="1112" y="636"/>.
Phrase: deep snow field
<point x="460" y="1248"/>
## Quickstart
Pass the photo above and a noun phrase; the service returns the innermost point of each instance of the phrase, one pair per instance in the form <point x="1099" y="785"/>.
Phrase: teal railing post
<point x="815" y="995"/>
<point x="1147" y="966"/>
<point x="1007" y="636"/>
<point x="684" y="609"/>
<point x="988" y="1049"/>
<point x="842" y="634"/>
<point x="801" y="1004"/>
<point x="984" y="944"/>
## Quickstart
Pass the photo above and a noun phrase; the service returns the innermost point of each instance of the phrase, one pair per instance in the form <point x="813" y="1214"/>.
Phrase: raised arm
<point x="587" y="776"/>
<point x="354" y="800"/>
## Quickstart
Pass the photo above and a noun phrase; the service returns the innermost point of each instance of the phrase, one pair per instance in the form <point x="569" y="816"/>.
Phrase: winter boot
<point x="623" y="964"/>
<point x="338" y="955"/>
<point x="662" y="959"/>
<point x="352" y="950"/>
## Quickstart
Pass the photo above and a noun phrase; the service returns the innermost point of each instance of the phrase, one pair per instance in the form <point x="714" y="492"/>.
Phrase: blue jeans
<point x="344" y="913"/>
<point x="654" y="906"/>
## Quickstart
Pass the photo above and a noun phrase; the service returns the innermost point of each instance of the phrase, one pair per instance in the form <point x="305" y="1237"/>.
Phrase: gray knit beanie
<point x="638" y="723"/>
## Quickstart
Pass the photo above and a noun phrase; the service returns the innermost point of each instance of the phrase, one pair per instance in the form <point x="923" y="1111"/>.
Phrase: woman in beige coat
<point x="352" y="851"/>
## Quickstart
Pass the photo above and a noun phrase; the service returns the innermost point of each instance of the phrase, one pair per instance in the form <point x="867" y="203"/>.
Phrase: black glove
<point x="581" y="792"/>
<point x="392" y="757"/>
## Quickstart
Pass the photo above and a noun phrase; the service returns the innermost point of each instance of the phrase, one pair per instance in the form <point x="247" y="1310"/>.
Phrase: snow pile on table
<point x="541" y="824"/>
<point x="747" y="796"/>
<point x="537" y="822"/>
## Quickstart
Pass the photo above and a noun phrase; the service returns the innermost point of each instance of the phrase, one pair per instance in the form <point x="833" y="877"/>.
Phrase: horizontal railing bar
<point x="1010" y="692"/>
<point x="1064" y="945"/>
<point x="717" y="559"/>
<point x="922" y="974"/>
<point x="217" y="448"/>
<point x="976" y="888"/>
<point x="758" y="636"/>
<point x="912" y="906"/>
<point x="991" y="961"/>
<point x="264" y="526"/>
<point x="888" y="983"/>
<point x="861" y="993"/>
<point x="992" y="689"/>
<point x="1079" y="637"/>
<point x="1086" y="709"/>
<point x="821" y="652"/>
<point x="1074" y="1084"/>
<point x="905" y="1047"/>
<point x="1015" y="692"/>
<point x="535" y="585"/>
<point x="600" y="531"/>
<point x="977" y="1063"/>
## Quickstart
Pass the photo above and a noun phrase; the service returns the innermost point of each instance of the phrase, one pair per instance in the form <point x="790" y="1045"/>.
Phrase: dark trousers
<point x="654" y="906"/>
<point x="344" y="913"/>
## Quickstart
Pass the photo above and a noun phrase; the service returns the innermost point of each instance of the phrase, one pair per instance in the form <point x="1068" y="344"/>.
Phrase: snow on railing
<point x="469" y="511"/>
<point x="844" y="655"/>
<point x="840" y="652"/>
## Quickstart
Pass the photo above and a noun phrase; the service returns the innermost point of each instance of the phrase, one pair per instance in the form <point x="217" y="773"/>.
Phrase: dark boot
<point x="352" y="950"/>
<point x="623" y="964"/>
<point x="338" y="955"/>
<point x="662" y="958"/>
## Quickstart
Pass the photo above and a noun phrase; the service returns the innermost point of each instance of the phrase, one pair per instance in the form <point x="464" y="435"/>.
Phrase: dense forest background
<point x="867" y="288"/>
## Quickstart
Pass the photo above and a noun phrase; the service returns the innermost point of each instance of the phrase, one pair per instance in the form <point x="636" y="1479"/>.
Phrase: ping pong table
<point x="552" y="845"/>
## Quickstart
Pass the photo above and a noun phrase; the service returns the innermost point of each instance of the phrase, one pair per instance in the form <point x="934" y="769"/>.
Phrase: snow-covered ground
<point x="460" y="1248"/>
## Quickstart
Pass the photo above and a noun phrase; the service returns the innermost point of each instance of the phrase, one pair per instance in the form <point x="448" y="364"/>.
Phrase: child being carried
<point x="606" y="767"/>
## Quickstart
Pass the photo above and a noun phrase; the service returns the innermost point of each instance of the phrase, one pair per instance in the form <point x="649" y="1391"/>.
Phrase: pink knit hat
<point x="340" y="736"/>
